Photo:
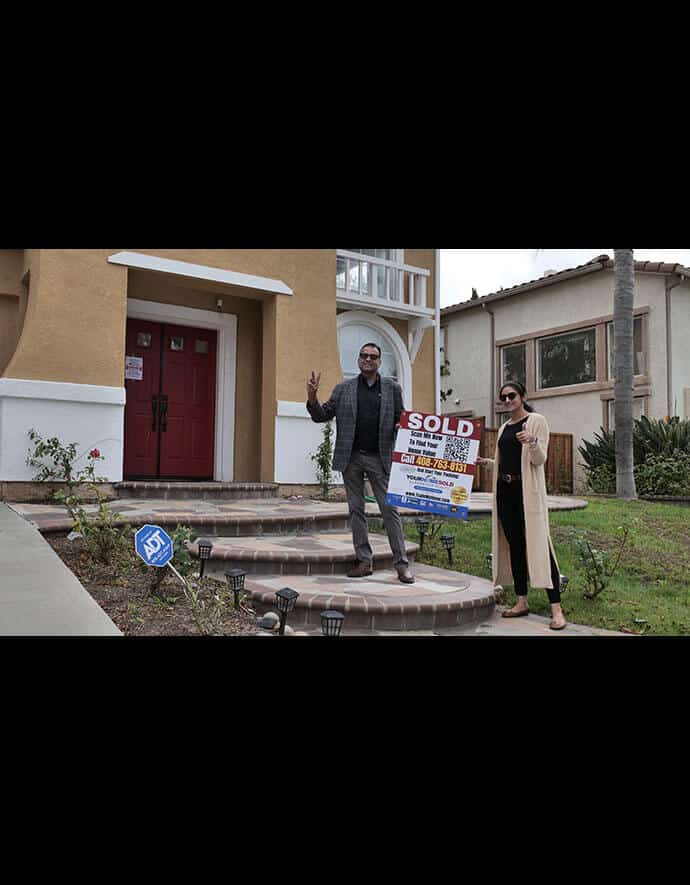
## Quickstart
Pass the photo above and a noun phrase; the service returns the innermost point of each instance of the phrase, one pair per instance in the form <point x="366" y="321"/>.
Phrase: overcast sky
<point x="488" y="269"/>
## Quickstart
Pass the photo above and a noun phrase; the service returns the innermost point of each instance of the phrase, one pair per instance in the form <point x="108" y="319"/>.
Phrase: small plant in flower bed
<point x="208" y="597"/>
<point x="103" y="538"/>
<point x="100" y="533"/>
<point x="182" y="560"/>
<point x="61" y="467"/>
<point x="595" y="564"/>
<point x="322" y="459"/>
<point x="209" y="600"/>
<point x="124" y="592"/>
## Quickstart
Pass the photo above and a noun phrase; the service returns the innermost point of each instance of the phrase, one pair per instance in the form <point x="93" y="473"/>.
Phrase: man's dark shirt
<point x="368" y="410"/>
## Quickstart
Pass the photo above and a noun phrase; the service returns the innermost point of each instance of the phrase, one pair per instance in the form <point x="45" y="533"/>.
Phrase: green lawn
<point x="651" y="584"/>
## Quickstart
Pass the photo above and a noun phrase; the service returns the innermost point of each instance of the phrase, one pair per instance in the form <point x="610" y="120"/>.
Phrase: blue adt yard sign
<point x="153" y="545"/>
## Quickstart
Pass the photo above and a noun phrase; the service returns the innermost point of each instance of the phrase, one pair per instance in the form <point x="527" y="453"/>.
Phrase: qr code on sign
<point x="457" y="450"/>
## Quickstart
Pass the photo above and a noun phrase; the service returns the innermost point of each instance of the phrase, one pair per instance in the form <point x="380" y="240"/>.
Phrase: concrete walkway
<point x="39" y="595"/>
<point x="493" y="625"/>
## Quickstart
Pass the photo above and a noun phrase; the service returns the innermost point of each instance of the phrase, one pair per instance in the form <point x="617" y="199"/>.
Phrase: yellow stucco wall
<point x="305" y="321"/>
<point x="11" y="293"/>
<point x="73" y="329"/>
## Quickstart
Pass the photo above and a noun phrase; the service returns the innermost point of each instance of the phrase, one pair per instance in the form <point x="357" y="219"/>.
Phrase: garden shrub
<point x="664" y="475"/>
<point x="667" y="439"/>
<point x="601" y="480"/>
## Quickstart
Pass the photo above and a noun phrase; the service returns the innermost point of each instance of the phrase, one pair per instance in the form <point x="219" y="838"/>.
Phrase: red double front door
<point x="170" y="380"/>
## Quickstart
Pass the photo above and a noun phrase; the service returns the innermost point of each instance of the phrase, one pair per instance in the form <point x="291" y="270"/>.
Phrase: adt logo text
<point x="153" y="545"/>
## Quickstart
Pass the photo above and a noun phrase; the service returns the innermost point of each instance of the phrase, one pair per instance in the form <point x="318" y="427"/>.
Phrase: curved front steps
<point x="185" y="491"/>
<point x="237" y="518"/>
<point x="242" y="518"/>
<point x="313" y="553"/>
<point x="438" y="598"/>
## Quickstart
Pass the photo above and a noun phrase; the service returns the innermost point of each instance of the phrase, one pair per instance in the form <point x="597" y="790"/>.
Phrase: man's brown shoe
<point x="405" y="575"/>
<point x="361" y="570"/>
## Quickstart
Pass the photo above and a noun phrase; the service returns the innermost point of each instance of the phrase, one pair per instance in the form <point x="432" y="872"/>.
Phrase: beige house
<point x="191" y="363"/>
<point x="555" y="335"/>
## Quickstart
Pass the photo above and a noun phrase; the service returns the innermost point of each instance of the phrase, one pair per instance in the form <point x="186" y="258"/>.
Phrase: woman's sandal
<point x="509" y="613"/>
<point x="554" y="626"/>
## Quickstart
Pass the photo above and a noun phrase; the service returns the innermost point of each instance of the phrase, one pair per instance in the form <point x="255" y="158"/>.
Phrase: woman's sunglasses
<point x="507" y="396"/>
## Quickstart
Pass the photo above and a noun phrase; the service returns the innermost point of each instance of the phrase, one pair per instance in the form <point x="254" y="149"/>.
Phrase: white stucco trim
<point x="295" y="440"/>
<point x="352" y="317"/>
<point x="198" y="272"/>
<point x="61" y="390"/>
<point x="288" y="409"/>
<point x="89" y="415"/>
<point x="417" y="329"/>
<point x="226" y="359"/>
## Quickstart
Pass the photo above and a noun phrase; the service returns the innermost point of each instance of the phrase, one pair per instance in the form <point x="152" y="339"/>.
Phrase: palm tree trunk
<point x="624" y="291"/>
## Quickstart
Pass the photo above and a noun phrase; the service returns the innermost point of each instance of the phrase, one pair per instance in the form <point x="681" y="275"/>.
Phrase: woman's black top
<point x="510" y="449"/>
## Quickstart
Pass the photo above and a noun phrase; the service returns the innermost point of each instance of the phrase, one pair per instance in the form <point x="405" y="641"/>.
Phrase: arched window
<point x="350" y="340"/>
<point x="357" y="327"/>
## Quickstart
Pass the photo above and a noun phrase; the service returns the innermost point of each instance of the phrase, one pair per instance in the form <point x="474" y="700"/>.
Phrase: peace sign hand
<point x="312" y="387"/>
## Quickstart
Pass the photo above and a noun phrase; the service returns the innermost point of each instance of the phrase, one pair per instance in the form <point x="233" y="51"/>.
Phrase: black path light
<point x="204" y="546"/>
<point x="235" y="578"/>
<point x="285" y="602"/>
<point x="422" y="527"/>
<point x="490" y="562"/>
<point x="332" y="623"/>
<point x="565" y="580"/>
<point x="448" y="542"/>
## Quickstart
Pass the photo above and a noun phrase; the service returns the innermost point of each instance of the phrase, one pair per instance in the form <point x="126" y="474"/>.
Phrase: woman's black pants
<point x="511" y="513"/>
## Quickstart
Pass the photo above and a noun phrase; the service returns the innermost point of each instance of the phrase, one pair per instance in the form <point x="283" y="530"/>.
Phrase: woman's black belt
<point x="510" y="477"/>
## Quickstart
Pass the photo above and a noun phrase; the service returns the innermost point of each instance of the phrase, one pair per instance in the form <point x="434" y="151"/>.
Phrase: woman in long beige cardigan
<point x="521" y="542"/>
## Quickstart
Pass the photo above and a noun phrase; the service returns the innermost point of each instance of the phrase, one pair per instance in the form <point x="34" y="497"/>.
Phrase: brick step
<point x="199" y="491"/>
<point x="236" y="523"/>
<point x="439" y="598"/>
<point x="315" y="553"/>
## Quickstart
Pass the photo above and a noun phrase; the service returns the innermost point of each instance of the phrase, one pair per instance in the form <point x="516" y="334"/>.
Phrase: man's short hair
<point x="371" y="344"/>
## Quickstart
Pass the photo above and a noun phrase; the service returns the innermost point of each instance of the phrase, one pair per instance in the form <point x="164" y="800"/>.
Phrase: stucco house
<point x="191" y="364"/>
<point x="555" y="335"/>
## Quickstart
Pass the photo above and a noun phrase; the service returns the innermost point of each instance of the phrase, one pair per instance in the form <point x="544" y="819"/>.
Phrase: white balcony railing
<point x="377" y="282"/>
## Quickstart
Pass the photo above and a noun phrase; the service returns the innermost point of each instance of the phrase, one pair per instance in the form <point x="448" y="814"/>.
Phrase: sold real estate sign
<point x="434" y="464"/>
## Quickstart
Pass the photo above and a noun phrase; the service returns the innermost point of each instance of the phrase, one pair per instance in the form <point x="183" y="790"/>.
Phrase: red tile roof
<point x="601" y="262"/>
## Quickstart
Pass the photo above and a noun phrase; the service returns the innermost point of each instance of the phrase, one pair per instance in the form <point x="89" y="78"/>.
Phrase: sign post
<point x="434" y="464"/>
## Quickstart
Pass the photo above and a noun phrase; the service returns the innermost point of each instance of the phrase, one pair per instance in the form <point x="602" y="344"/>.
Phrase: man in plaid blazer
<point x="367" y="413"/>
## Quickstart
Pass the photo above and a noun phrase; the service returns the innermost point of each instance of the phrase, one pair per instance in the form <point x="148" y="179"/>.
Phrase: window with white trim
<point x="514" y="363"/>
<point x="569" y="358"/>
<point x="638" y="354"/>
<point x="638" y="410"/>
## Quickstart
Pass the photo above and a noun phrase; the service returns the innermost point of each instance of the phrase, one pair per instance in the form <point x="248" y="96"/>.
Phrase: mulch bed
<point x="121" y="591"/>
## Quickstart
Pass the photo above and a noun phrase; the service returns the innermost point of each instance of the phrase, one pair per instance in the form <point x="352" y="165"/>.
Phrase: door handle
<point x="163" y="412"/>
<point x="154" y="412"/>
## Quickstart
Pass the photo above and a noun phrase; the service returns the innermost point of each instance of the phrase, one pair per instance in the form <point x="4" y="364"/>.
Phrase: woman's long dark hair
<point x="521" y="390"/>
